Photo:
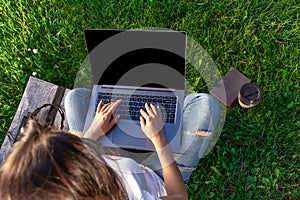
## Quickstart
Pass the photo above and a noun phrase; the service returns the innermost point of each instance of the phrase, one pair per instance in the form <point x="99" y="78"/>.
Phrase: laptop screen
<point x="137" y="57"/>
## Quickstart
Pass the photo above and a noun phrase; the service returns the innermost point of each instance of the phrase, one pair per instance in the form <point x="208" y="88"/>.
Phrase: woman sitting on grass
<point x="51" y="164"/>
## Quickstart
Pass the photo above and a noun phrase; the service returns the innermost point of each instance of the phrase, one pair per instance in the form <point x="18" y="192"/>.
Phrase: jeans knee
<point x="209" y="99"/>
<point x="79" y="91"/>
<point x="200" y="96"/>
<point x="74" y="93"/>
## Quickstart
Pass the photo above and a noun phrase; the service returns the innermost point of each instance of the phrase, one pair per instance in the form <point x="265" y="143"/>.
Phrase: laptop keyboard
<point x="131" y="105"/>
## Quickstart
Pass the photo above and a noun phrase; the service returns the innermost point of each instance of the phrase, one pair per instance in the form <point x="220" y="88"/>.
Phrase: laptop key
<point x="135" y="117"/>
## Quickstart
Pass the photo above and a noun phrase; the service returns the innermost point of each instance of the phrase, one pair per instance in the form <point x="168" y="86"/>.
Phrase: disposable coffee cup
<point x="249" y="95"/>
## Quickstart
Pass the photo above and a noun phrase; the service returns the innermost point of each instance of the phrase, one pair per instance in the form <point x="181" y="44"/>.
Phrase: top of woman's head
<point x="52" y="164"/>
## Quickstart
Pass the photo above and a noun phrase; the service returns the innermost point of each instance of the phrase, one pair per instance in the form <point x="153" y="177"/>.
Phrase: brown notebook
<point x="226" y="90"/>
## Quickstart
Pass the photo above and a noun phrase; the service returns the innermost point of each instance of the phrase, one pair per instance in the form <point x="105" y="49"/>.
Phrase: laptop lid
<point x="143" y="58"/>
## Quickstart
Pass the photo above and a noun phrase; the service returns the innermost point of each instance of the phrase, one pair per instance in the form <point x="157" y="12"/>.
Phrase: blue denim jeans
<point x="201" y="114"/>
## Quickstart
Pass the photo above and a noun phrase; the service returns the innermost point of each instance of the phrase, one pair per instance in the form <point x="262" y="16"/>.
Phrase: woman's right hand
<point x="152" y="124"/>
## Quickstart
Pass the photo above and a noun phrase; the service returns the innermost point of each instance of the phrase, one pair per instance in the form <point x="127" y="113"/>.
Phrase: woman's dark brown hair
<point x="52" y="164"/>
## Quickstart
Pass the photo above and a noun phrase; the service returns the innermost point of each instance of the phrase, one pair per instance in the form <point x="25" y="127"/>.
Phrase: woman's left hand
<point x="103" y="121"/>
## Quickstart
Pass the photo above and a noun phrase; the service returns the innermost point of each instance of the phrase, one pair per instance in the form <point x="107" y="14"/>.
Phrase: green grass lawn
<point x="257" y="154"/>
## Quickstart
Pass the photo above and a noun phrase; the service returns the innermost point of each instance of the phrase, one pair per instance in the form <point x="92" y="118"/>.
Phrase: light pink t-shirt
<point x="140" y="182"/>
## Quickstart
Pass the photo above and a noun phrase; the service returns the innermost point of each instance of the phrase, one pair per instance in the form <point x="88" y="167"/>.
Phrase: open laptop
<point x="137" y="66"/>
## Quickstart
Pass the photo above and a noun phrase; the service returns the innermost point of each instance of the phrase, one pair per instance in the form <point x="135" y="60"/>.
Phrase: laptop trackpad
<point x="129" y="134"/>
